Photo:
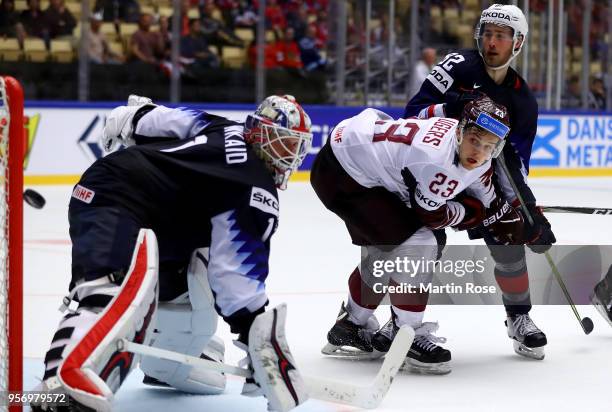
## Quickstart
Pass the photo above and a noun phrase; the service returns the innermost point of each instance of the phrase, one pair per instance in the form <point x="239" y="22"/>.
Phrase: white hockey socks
<point x="94" y="369"/>
<point x="274" y="369"/>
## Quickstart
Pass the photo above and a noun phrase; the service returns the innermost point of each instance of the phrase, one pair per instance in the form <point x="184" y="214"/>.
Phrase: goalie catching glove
<point x="119" y="126"/>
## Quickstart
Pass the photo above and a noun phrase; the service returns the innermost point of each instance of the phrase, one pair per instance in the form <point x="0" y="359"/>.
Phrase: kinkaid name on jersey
<point x="235" y="147"/>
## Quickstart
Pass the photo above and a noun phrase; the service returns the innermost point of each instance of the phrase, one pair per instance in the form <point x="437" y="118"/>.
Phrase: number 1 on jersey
<point x="388" y="131"/>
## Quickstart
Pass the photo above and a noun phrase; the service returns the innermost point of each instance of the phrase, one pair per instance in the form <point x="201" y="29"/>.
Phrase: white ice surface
<point x="311" y="260"/>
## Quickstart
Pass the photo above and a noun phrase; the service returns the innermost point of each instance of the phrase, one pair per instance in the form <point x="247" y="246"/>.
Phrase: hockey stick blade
<point x="365" y="396"/>
<point x="573" y="209"/>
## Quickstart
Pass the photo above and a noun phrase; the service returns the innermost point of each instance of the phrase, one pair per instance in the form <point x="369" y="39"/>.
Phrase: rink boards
<point x="63" y="139"/>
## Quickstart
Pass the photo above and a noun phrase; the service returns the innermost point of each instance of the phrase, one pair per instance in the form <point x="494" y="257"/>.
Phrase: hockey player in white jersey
<point x="206" y="187"/>
<point x="395" y="184"/>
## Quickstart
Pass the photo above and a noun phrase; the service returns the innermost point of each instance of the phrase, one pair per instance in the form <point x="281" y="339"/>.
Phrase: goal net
<point x="12" y="150"/>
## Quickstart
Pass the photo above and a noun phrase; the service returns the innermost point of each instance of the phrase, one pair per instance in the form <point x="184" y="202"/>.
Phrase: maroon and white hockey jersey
<point x="374" y="149"/>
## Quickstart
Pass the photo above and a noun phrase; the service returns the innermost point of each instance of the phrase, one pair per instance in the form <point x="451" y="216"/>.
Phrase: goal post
<point x="12" y="151"/>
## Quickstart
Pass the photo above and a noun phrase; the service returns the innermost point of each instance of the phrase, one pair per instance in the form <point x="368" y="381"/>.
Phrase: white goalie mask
<point x="279" y="132"/>
<point x="508" y="16"/>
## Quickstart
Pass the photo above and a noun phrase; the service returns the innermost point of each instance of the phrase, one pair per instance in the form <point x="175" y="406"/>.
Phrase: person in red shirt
<point x="272" y="53"/>
<point x="289" y="50"/>
<point x="275" y="15"/>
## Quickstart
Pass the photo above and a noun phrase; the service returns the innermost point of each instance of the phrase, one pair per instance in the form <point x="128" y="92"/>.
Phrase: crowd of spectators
<point x="296" y="31"/>
<point x="296" y="38"/>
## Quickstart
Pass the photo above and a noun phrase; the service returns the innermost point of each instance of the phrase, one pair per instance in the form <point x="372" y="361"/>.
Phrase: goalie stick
<point x="586" y="323"/>
<point x="574" y="209"/>
<point x="367" y="396"/>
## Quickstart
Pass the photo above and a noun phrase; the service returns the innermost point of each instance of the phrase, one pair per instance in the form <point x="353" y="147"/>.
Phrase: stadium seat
<point x="21" y="5"/>
<point x="165" y="11"/>
<point x="116" y="47"/>
<point x="193" y="13"/>
<point x="465" y="32"/>
<point x="245" y="35"/>
<point x="451" y="13"/>
<point x="61" y="51"/>
<point x="147" y="10"/>
<point x="35" y="50"/>
<point x="76" y="32"/>
<point x="596" y="68"/>
<point x="233" y="57"/>
<point x="470" y="17"/>
<point x="127" y="29"/>
<point x="9" y="50"/>
<point x="75" y="9"/>
<point x="109" y="31"/>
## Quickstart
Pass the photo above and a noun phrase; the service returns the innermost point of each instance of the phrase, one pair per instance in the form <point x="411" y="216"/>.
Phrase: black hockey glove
<point x="504" y="223"/>
<point x="454" y="106"/>
<point x="539" y="237"/>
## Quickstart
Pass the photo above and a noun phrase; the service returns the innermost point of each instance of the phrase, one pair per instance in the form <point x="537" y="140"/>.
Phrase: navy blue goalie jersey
<point x="193" y="180"/>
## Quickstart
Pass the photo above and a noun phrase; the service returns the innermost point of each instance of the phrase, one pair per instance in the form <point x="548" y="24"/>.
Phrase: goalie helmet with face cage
<point x="486" y="115"/>
<point x="504" y="15"/>
<point x="279" y="132"/>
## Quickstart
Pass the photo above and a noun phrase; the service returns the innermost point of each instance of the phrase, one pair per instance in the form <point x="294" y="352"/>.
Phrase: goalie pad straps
<point x="94" y="369"/>
<point x="273" y="365"/>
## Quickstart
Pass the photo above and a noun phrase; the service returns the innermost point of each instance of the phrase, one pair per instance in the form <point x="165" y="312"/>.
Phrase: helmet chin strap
<point x="512" y="56"/>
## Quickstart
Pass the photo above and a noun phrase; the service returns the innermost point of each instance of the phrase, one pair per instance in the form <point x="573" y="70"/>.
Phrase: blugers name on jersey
<point x="465" y="71"/>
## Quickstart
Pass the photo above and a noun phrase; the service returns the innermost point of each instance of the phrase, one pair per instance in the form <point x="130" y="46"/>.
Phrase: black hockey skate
<point x="424" y="356"/>
<point x="349" y="340"/>
<point x="602" y="297"/>
<point x="528" y="339"/>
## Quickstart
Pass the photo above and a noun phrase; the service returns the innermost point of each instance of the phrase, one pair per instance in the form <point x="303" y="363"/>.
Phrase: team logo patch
<point x="492" y="125"/>
<point x="264" y="201"/>
<point x="441" y="79"/>
<point x="83" y="194"/>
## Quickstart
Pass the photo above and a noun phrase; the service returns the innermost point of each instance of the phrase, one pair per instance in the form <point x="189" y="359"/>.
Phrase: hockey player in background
<point x="602" y="297"/>
<point x="456" y="80"/>
<point x="394" y="184"/>
<point x="200" y="183"/>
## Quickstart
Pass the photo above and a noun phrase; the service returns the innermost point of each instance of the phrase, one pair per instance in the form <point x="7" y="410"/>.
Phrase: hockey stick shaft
<point x="573" y="209"/>
<point x="363" y="396"/>
<point x="552" y="264"/>
<point x="127" y="346"/>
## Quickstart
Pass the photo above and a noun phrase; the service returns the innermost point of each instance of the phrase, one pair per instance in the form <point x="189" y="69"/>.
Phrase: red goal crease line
<point x="304" y="175"/>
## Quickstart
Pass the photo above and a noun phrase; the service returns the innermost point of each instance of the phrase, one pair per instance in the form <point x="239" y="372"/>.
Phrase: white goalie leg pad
<point x="94" y="369"/>
<point x="188" y="328"/>
<point x="273" y="366"/>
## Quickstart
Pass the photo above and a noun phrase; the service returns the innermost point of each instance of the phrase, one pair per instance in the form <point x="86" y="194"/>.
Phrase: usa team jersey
<point x="193" y="180"/>
<point x="376" y="150"/>
<point x="465" y="71"/>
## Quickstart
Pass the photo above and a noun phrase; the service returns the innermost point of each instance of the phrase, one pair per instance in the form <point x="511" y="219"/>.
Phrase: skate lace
<point x="424" y="336"/>
<point x="525" y="325"/>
